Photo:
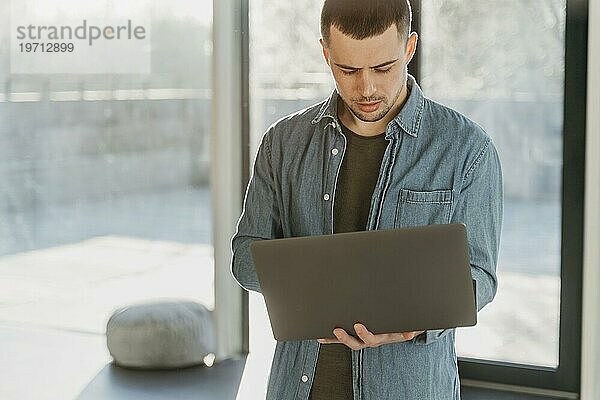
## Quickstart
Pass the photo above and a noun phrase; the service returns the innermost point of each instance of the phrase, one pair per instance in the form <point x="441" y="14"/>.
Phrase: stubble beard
<point x="380" y="115"/>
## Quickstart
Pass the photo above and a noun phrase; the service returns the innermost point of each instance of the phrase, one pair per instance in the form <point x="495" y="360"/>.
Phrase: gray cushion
<point x="161" y="335"/>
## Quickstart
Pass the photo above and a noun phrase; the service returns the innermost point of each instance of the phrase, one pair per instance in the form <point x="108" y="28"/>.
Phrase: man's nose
<point x="367" y="84"/>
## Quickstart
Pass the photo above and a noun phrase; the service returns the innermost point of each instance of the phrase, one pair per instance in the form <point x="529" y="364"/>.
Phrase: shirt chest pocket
<point x="418" y="208"/>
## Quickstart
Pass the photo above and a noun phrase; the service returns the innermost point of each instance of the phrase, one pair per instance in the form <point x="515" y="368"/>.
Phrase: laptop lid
<point x="396" y="280"/>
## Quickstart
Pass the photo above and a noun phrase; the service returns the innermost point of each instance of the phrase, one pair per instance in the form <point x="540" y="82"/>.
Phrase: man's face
<point x="370" y="74"/>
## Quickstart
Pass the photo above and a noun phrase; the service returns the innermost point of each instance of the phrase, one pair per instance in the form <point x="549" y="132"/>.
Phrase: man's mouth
<point x="369" y="107"/>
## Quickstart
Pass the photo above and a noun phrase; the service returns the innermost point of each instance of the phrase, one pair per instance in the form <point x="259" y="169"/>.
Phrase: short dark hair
<point x="362" y="19"/>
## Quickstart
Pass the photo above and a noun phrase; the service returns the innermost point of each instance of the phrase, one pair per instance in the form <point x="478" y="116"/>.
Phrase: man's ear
<point x="411" y="46"/>
<point x="325" y="52"/>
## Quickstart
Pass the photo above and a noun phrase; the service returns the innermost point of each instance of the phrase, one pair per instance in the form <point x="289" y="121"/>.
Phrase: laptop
<point x="396" y="280"/>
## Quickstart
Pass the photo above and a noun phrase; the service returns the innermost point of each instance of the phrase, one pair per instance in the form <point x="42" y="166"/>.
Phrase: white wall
<point x="590" y="374"/>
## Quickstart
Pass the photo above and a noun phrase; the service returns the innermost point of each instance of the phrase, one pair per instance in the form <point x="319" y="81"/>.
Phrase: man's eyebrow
<point x="385" y="64"/>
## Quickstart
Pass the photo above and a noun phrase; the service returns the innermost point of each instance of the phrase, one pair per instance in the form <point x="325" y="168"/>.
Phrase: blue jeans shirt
<point x="439" y="167"/>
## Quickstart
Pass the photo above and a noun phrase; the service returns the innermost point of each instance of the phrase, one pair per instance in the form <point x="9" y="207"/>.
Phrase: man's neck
<point x="370" y="128"/>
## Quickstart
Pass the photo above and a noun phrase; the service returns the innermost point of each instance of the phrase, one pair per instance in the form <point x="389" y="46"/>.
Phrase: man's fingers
<point x="348" y="340"/>
<point x="328" y="341"/>
<point x="367" y="339"/>
<point x="373" y="340"/>
<point x="366" y="336"/>
<point x="411" y="335"/>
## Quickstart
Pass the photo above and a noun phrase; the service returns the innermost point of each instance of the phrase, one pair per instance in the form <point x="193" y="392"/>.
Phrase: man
<point x="376" y="154"/>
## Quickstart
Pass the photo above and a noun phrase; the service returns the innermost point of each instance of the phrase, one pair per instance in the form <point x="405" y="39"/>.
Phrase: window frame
<point x="245" y="106"/>
<point x="230" y="79"/>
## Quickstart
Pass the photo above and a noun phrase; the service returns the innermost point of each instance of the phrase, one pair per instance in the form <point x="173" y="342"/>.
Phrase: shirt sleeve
<point x="480" y="207"/>
<point x="260" y="219"/>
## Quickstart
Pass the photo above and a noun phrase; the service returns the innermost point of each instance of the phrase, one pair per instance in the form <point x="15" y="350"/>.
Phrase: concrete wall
<point x="54" y="152"/>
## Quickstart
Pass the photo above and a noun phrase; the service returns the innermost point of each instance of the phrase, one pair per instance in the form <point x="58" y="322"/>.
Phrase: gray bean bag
<point x="161" y="335"/>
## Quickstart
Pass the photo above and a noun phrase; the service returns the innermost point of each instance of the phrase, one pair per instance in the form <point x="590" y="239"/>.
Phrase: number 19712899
<point x="46" y="47"/>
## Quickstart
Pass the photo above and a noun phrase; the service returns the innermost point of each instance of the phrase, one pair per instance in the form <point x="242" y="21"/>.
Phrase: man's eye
<point x="348" y="72"/>
<point x="383" y="71"/>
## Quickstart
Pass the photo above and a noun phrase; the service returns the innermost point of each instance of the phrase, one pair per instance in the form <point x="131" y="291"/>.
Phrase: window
<point x="514" y="88"/>
<point x="104" y="193"/>
<point x="518" y="69"/>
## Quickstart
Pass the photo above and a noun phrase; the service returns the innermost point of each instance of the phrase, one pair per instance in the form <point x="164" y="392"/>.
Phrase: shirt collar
<point x="408" y="119"/>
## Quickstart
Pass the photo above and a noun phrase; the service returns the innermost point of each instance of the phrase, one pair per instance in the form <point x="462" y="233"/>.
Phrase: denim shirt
<point x="439" y="167"/>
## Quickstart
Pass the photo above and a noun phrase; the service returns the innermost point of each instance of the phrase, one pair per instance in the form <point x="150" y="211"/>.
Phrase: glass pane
<point x="502" y="64"/>
<point x="287" y="70"/>
<point x="104" y="199"/>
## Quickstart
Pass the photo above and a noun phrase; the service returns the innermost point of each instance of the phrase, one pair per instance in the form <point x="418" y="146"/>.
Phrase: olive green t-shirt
<point x="356" y="181"/>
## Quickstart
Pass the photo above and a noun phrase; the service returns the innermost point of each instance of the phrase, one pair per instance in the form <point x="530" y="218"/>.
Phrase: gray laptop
<point x="396" y="280"/>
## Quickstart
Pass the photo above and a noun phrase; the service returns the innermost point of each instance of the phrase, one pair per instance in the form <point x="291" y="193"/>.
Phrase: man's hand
<point x="368" y="339"/>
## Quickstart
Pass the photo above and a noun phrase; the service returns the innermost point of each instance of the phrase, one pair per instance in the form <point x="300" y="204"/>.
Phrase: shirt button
<point x="334" y="125"/>
<point x="326" y="197"/>
<point x="335" y="152"/>
<point x="304" y="378"/>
